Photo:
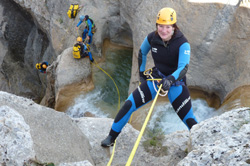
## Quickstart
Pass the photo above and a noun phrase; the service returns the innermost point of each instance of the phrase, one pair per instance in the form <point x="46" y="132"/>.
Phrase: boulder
<point x="49" y="135"/>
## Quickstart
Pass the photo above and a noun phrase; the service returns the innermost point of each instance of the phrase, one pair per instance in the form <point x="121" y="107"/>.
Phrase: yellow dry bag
<point x="77" y="51"/>
<point x="73" y="9"/>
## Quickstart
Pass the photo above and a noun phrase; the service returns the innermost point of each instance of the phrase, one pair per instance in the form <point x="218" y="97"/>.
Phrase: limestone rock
<point x="16" y="144"/>
<point x="31" y="131"/>
<point x="55" y="137"/>
<point x="96" y="129"/>
<point x="81" y="163"/>
<point x="68" y="78"/>
<point x="222" y="140"/>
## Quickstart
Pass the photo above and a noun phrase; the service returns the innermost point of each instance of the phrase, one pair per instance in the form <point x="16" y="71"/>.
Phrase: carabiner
<point x="150" y="71"/>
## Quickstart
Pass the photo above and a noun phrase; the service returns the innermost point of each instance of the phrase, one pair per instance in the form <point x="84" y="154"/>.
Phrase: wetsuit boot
<point x="110" y="139"/>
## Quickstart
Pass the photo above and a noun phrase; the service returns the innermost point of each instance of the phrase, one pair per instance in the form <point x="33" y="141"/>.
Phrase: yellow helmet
<point x="44" y="66"/>
<point x="38" y="66"/>
<point x="166" y="16"/>
<point x="79" y="39"/>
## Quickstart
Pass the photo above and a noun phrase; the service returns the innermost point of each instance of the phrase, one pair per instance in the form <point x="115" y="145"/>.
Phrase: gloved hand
<point x="142" y="77"/>
<point x="166" y="84"/>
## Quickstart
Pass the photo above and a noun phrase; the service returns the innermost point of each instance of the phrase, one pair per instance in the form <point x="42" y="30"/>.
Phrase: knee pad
<point x="123" y="111"/>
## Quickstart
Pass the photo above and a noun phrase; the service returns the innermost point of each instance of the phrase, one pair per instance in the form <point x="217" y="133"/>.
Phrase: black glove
<point x="142" y="77"/>
<point x="166" y="84"/>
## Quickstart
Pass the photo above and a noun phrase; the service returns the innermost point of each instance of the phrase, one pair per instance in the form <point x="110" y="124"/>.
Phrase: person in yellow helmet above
<point x="81" y="50"/>
<point x="171" y="54"/>
<point x="42" y="66"/>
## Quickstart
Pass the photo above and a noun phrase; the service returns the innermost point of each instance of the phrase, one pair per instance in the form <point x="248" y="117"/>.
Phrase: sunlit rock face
<point x="221" y="140"/>
<point x="16" y="141"/>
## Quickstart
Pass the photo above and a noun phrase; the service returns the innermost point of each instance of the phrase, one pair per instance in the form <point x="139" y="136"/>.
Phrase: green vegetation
<point x="186" y="151"/>
<point x="37" y="163"/>
<point x="153" y="142"/>
<point x="60" y="20"/>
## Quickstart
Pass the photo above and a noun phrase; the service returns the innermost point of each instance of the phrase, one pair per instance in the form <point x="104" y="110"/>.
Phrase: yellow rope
<point x="156" y="79"/>
<point x="142" y="129"/>
<point x="131" y="117"/>
<point x="112" y="156"/>
<point x="118" y="107"/>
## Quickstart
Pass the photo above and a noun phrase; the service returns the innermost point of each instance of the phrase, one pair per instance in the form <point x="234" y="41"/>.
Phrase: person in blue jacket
<point x="171" y="54"/>
<point x="89" y="29"/>
<point x="42" y="67"/>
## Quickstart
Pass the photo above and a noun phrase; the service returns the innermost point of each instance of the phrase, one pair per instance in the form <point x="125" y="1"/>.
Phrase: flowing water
<point x="165" y="118"/>
<point x="103" y="100"/>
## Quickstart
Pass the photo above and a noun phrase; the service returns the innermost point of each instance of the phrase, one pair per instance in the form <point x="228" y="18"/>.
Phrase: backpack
<point x="93" y="24"/>
<point x="73" y="9"/>
<point x="88" y="18"/>
<point x="77" y="51"/>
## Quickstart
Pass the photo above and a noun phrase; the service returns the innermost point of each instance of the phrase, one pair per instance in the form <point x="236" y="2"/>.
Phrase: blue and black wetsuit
<point x="171" y="60"/>
<point x="88" y="29"/>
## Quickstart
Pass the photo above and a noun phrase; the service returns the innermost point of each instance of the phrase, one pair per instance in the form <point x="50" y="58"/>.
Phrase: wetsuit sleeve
<point x="79" y="23"/>
<point x="184" y="58"/>
<point x="90" y="57"/>
<point x="90" y="27"/>
<point x="142" y="56"/>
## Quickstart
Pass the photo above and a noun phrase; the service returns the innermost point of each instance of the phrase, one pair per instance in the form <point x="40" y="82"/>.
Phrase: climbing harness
<point x="142" y="129"/>
<point x="148" y="73"/>
<point x="94" y="29"/>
